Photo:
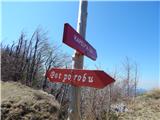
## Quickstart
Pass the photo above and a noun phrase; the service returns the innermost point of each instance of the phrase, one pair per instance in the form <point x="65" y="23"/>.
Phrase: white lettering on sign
<point x="83" y="44"/>
<point x="79" y="41"/>
<point x="79" y="78"/>
<point x="75" y="77"/>
<point x="66" y="77"/>
<point x="69" y="77"/>
<point x="84" y="77"/>
<point x="90" y="79"/>
<point x="55" y="75"/>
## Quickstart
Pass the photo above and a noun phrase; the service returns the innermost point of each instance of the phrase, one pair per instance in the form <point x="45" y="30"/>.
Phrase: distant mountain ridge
<point x="141" y="91"/>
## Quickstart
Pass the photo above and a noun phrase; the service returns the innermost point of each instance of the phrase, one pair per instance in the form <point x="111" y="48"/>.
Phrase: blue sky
<point x="114" y="29"/>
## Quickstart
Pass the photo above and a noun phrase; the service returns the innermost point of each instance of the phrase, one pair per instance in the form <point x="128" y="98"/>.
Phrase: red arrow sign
<point x="90" y="78"/>
<point x="76" y="41"/>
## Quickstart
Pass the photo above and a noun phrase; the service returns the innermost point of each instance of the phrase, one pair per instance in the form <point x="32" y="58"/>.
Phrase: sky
<point x="114" y="29"/>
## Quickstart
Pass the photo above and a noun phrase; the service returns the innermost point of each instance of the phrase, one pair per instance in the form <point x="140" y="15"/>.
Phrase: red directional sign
<point x="90" y="78"/>
<point x="76" y="41"/>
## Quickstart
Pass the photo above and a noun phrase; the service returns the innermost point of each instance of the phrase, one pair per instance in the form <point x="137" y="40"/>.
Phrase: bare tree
<point x="28" y="59"/>
<point x="135" y="79"/>
<point x="127" y="67"/>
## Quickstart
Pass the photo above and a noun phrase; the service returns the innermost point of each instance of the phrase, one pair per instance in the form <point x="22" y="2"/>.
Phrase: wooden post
<point x="74" y="107"/>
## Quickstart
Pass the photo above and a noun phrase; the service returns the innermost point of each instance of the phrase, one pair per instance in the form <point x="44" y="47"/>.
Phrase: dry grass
<point x="19" y="102"/>
<point x="154" y="94"/>
<point x="145" y="107"/>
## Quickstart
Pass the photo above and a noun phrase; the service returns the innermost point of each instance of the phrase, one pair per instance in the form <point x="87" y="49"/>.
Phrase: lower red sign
<point x="90" y="78"/>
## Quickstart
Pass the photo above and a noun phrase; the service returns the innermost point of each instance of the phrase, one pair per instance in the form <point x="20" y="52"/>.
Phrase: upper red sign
<point x="73" y="39"/>
<point x="90" y="78"/>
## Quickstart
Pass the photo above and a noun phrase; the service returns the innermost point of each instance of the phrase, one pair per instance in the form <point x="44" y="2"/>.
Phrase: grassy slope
<point x="145" y="107"/>
<point x="19" y="102"/>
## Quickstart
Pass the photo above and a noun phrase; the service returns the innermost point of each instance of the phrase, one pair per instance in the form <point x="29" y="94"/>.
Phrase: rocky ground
<point x="19" y="102"/>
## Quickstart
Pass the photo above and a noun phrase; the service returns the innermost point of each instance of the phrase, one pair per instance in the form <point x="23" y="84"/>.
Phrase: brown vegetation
<point x="28" y="60"/>
<point x="144" y="107"/>
<point x="19" y="102"/>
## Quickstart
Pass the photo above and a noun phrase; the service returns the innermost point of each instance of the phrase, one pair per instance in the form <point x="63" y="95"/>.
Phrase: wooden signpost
<point x="76" y="76"/>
